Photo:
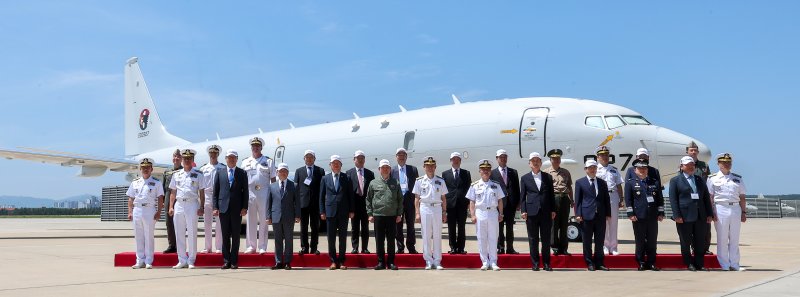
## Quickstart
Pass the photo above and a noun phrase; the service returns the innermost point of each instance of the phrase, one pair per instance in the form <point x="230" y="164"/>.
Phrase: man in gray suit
<point x="692" y="212"/>
<point x="230" y="204"/>
<point x="283" y="211"/>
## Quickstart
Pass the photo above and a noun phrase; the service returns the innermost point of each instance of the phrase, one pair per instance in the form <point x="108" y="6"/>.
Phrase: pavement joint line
<point x="103" y="282"/>
<point x="761" y="284"/>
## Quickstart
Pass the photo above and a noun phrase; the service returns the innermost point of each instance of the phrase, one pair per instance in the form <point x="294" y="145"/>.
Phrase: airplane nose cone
<point x="672" y="147"/>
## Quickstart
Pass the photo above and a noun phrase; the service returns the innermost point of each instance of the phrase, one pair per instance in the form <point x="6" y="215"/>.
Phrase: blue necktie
<point x="230" y="177"/>
<point x="691" y="183"/>
<point x="403" y="177"/>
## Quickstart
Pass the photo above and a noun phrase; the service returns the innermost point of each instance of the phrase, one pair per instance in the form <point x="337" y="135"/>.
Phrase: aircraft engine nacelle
<point x="92" y="171"/>
<point x="131" y="176"/>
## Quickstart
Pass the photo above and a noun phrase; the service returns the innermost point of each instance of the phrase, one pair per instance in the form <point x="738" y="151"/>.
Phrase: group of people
<point x="398" y="197"/>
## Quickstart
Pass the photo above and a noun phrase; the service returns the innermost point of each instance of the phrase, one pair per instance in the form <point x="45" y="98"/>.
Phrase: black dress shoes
<point x="380" y="266"/>
<point x="316" y="252"/>
<point x="365" y="251"/>
<point x="277" y="266"/>
<point x="226" y="266"/>
<point x="547" y="267"/>
<point x="288" y="267"/>
<point x="654" y="268"/>
<point x="412" y="250"/>
<point x="590" y="267"/>
<point x="512" y="252"/>
<point x="641" y="267"/>
<point x="602" y="267"/>
<point x="501" y="251"/>
<point x="392" y="267"/>
<point x="691" y="267"/>
<point x="302" y="252"/>
<point x="171" y="250"/>
<point x="354" y="251"/>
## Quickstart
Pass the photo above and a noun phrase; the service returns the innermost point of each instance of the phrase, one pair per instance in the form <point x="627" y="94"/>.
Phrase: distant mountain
<point x="32" y="202"/>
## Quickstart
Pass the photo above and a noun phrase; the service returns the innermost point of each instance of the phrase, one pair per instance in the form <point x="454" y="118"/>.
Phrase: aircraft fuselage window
<point x="614" y="122"/>
<point x="595" y="122"/>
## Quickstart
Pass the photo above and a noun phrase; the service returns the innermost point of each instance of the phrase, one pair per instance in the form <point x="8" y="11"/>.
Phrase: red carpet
<point x="521" y="261"/>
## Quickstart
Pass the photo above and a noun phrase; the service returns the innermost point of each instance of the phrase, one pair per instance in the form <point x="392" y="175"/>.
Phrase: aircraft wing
<point x="90" y="166"/>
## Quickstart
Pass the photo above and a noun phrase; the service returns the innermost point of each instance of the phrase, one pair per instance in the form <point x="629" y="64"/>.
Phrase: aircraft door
<point x="278" y="157"/>
<point x="533" y="131"/>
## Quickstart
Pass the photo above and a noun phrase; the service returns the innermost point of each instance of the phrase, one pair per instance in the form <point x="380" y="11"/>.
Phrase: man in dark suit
<point x="406" y="175"/>
<point x="283" y="211"/>
<point x="360" y="177"/>
<point x="537" y="207"/>
<point x="592" y="209"/>
<point x="336" y="207"/>
<point x="457" y="181"/>
<point x="508" y="178"/>
<point x="691" y="210"/>
<point x="307" y="180"/>
<point x="230" y="204"/>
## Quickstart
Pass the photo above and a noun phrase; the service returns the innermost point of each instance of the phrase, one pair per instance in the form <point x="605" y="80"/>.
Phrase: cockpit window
<point x="614" y="122"/>
<point x="635" y="120"/>
<point x="595" y="122"/>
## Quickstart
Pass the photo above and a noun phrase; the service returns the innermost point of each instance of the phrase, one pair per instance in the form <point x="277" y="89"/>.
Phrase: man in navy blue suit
<point x="537" y="208"/>
<point x="692" y="212"/>
<point x="592" y="209"/>
<point x="231" y="195"/>
<point x="336" y="207"/>
<point x="283" y="211"/>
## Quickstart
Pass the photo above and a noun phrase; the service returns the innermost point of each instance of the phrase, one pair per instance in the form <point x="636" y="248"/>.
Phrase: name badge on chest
<point x="650" y="199"/>
<point x="404" y="187"/>
<point x="307" y="181"/>
<point x="695" y="196"/>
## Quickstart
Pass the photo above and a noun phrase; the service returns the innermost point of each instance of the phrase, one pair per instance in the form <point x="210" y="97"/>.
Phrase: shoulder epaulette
<point x="158" y="180"/>
<point x="421" y="177"/>
<point x="475" y="182"/>
<point x="439" y="177"/>
<point x="715" y="174"/>
<point x="736" y="175"/>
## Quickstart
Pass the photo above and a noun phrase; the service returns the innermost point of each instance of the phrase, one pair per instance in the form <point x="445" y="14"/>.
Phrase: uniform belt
<point x="144" y="204"/>
<point x="186" y="199"/>
<point x="488" y="208"/>
<point x="727" y="203"/>
<point x="432" y="204"/>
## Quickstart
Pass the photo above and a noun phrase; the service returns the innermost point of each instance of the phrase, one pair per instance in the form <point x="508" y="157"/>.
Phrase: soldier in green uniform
<point x="562" y="185"/>
<point x="176" y="166"/>
<point x="700" y="169"/>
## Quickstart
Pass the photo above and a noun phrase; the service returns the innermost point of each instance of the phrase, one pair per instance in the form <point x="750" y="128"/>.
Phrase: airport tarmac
<point x="74" y="257"/>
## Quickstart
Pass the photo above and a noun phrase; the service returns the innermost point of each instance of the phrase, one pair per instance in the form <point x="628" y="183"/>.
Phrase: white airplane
<point x="475" y="129"/>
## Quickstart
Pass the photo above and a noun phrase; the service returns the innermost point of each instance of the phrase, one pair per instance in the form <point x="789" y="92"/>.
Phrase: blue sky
<point x="725" y="72"/>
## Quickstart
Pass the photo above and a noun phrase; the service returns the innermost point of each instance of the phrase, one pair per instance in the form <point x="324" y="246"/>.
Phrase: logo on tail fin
<point x="143" y="118"/>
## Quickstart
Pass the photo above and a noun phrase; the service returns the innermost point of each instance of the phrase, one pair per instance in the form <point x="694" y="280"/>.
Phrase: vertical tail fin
<point x="143" y="129"/>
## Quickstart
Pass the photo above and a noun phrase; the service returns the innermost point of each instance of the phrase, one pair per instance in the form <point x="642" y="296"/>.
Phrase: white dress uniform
<point x="259" y="173"/>
<point x="726" y="190"/>
<point x="145" y="193"/>
<point x="187" y="185"/>
<point x="612" y="176"/>
<point x="430" y="191"/>
<point x="487" y="195"/>
<point x="210" y="174"/>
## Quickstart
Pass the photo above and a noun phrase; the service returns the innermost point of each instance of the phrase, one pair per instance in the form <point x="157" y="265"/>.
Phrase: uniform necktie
<point x="360" y="182"/>
<point x="230" y="177"/>
<point x="691" y="183"/>
<point x="455" y="172"/>
<point x="308" y="171"/>
<point x="505" y="176"/>
<point x="283" y="189"/>
<point x="591" y="184"/>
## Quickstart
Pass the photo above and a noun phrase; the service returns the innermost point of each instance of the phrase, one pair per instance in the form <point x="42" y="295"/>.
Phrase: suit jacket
<point x="537" y="201"/>
<point x="587" y="203"/>
<point x="457" y="189"/>
<point x="637" y="203"/>
<point x="336" y="199"/>
<point x="231" y="197"/>
<point x="308" y="194"/>
<point x="284" y="207"/>
<point x="411" y="175"/>
<point x="352" y="174"/>
<point x="680" y="198"/>
<point x="511" y="190"/>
